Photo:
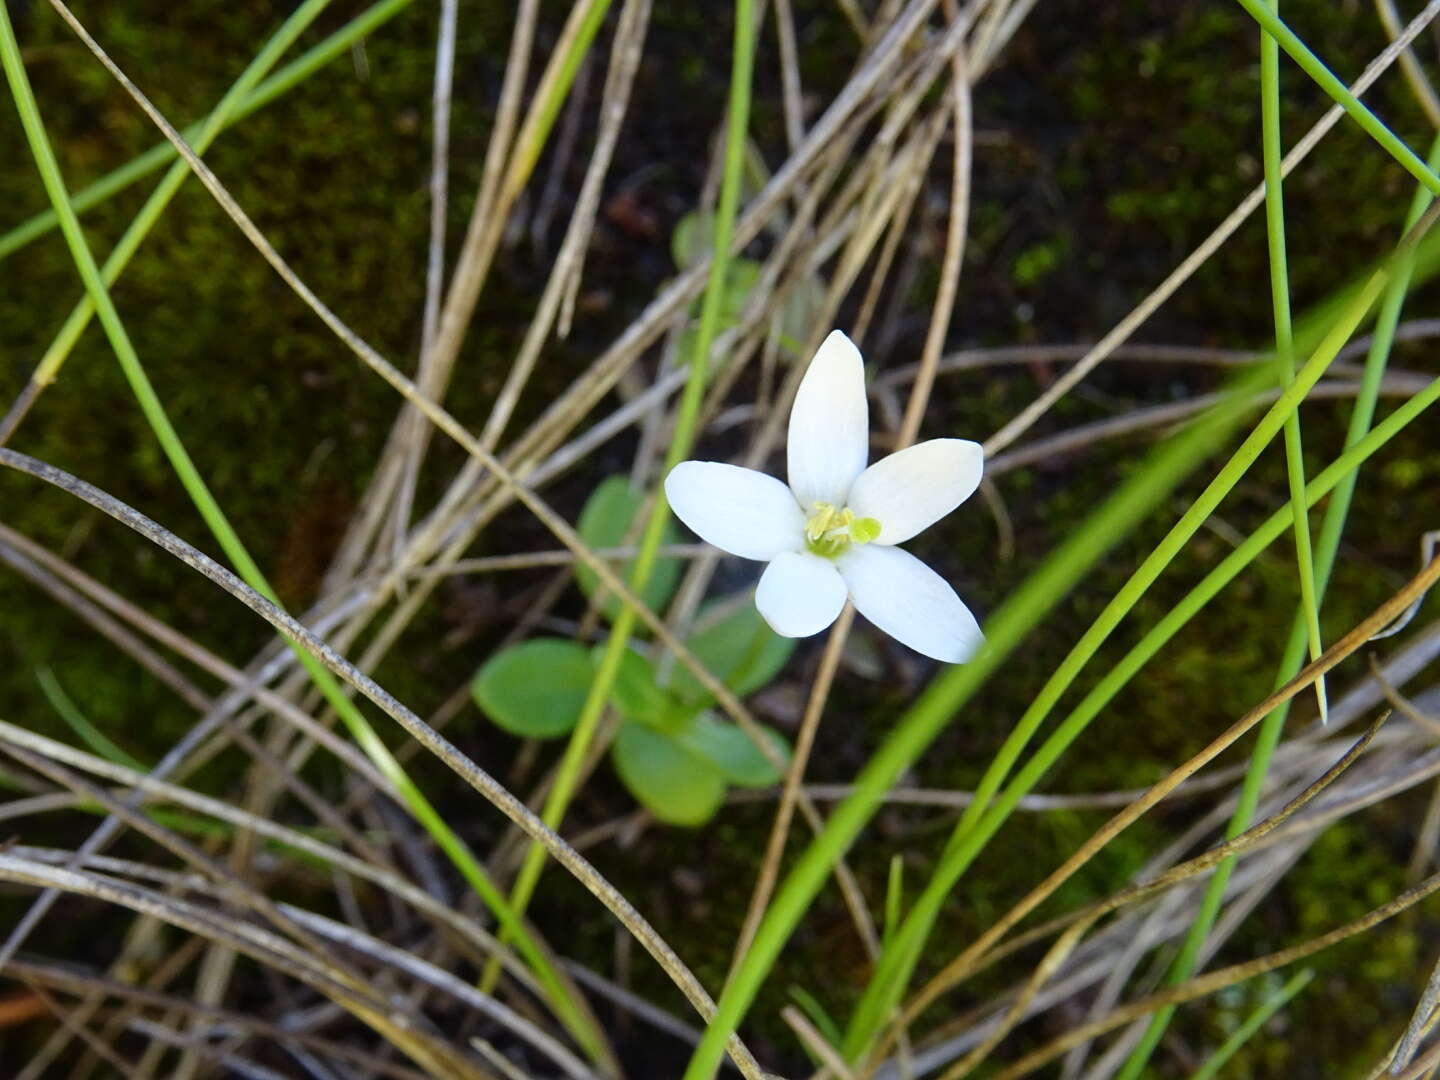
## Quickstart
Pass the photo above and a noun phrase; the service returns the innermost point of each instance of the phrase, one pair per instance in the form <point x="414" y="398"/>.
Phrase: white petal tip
<point x="799" y="594"/>
<point x="962" y="652"/>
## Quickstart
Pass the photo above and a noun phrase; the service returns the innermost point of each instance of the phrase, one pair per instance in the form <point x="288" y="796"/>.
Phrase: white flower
<point x="832" y="532"/>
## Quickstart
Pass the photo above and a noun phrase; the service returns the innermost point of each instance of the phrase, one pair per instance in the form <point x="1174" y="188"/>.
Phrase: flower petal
<point x="913" y="488"/>
<point x="829" y="425"/>
<point x="738" y="510"/>
<point x="800" y="594"/>
<point x="910" y="602"/>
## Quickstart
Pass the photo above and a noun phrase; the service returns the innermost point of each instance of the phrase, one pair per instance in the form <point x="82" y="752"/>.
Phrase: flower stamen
<point x="829" y="532"/>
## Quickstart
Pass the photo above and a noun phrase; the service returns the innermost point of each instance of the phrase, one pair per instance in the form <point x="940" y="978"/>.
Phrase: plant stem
<point x="568" y="773"/>
<point x="1285" y="339"/>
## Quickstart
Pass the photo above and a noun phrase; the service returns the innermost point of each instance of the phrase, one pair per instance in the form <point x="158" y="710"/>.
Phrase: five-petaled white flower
<point x="832" y="531"/>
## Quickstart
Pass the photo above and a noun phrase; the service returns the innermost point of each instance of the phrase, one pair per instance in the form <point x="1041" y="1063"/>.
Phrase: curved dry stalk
<point x="789" y="793"/>
<point x="47" y="570"/>
<point x="229" y="886"/>
<point x="152" y="788"/>
<point x="22" y="562"/>
<point x="185" y="752"/>
<point x="441" y="747"/>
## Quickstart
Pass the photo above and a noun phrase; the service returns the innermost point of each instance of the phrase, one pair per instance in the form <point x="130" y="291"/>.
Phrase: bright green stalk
<point x="276" y="85"/>
<point x="893" y="972"/>
<point x="1246" y="1031"/>
<point x="538" y="124"/>
<point x="1332" y="526"/>
<point x="566" y="1008"/>
<point x="134" y="236"/>
<point x="1327" y="81"/>
<point x="79" y="723"/>
<point x="1285" y="339"/>
<point x="1138" y="496"/>
<point x="568" y="774"/>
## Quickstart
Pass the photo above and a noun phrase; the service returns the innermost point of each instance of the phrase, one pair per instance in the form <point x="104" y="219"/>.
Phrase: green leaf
<point x="605" y="523"/>
<point x="798" y="312"/>
<point x="740" y="650"/>
<point x="669" y="781"/>
<point x="824" y="1023"/>
<point x="692" y="239"/>
<point x="634" y="691"/>
<point x="535" y="689"/>
<point x="729" y="749"/>
<point x="744" y="273"/>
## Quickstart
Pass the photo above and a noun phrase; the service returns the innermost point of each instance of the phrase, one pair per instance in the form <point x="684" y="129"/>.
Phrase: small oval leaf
<point x="634" y="691"/>
<point x="669" y="781"/>
<point x="606" y="522"/>
<point x="739" y="649"/>
<point x="535" y="689"/>
<point x="734" y="753"/>
<point x="692" y="239"/>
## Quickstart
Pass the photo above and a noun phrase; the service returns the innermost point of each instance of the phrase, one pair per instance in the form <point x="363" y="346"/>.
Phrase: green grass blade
<point x="1285" y="338"/>
<point x="1120" y="674"/>
<point x="567" y="774"/>
<point x="1316" y="69"/>
<point x="139" y="228"/>
<point x="538" y="124"/>
<point x="570" y="1011"/>
<point x="79" y="723"/>
<point x="1246" y="1031"/>
<point x="893" y="973"/>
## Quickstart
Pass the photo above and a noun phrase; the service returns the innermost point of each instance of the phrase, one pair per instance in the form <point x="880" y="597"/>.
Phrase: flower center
<point x="829" y="532"/>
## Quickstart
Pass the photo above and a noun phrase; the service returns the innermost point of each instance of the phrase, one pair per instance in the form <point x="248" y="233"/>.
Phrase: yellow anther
<point x="829" y="532"/>
<point x="821" y="521"/>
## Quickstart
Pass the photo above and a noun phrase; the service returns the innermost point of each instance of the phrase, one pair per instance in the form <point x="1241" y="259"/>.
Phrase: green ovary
<point x="830" y="532"/>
